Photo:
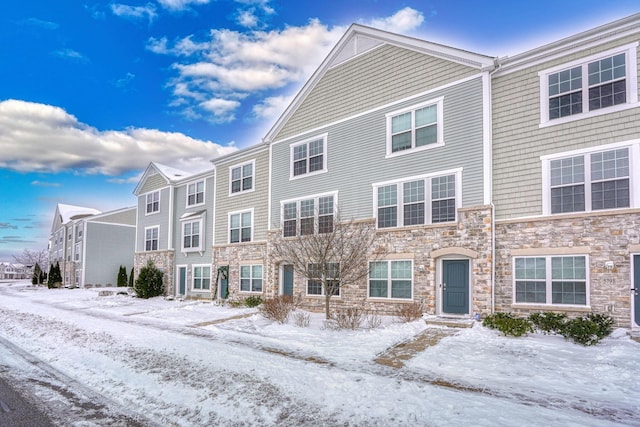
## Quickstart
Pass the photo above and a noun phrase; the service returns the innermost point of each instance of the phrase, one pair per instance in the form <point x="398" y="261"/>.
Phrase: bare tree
<point x="330" y="254"/>
<point x="30" y="258"/>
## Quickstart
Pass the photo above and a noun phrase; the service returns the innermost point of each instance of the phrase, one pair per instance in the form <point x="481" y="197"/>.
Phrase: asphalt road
<point x="18" y="411"/>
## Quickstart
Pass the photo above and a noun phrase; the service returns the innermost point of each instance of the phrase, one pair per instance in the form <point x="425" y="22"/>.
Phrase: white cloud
<point x="45" y="184"/>
<point x="248" y="18"/>
<point x="222" y="109"/>
<point x="403" y="21"/>
<point x="231" y="65"/>
<point x="72" y="145"/>
<point x="70" y="54"/>
<point x="178" y="5"/>
<point x="135" y="12"/>
<point x="272" y="107"/>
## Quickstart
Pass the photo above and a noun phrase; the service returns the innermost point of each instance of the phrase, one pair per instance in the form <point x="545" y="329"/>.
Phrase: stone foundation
<point x="604" y="237"/>
<point x="234" y="256"/>
<point x="164" y="261"/>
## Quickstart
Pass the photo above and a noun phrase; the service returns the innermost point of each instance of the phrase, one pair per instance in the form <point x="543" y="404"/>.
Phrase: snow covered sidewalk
<point x="176" y="363"/>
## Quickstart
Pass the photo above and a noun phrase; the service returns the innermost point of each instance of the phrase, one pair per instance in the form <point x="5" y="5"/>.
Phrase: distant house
<point x="175" y="227"/>
<point x="12" y="271"/>
<point x="90" y="246"/>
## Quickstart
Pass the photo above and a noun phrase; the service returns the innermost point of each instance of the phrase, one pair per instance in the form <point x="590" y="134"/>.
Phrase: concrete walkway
<point x="395" y="356"/>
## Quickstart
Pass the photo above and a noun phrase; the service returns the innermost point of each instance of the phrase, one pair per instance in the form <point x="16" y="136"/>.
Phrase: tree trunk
<point x="327" y="312"/>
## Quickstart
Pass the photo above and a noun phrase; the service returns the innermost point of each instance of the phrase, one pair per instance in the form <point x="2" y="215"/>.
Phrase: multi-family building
<point x="90" y="246"/>
<point x="174" y="228"/>
<point x="566" y="175"/>
<point x="13" y="271"/>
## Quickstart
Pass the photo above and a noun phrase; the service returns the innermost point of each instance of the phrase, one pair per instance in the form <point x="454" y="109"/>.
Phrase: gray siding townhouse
<point x="566" y="176"/>
<point x="393" y="132"/>
<point x="175" y="228"/>
<point x="90" y="246"/>
<point x="241" y="215"/>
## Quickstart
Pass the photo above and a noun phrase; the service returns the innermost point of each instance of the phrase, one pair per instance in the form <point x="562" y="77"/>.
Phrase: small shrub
<point x="409" y="312"/>
<point x="149" y="282"/>
<point x="302" y="319"/>
<point x="508" y="324"/>
<point x="253" y="301"/>
<point x="348" y="318"/>
<point x="588" y="330"/>
<point x="372" y="320"/>
<point x="122" y="277"/>
<point x="278" y="308"/>
<point x="549" y="322"/>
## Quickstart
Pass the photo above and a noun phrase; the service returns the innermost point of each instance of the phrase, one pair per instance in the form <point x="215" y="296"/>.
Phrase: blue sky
<point x="92" y="91"/>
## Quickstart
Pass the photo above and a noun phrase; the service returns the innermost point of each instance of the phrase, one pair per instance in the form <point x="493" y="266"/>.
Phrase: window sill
<point x="414" y="150"/>
<point x="239" y="193"/>
<point x="590" y="114"/>
<point x="195" y="205"/>
<point x="553" y="307"/>
<point x="389" y="299"/>
<point x="319" y="172"/>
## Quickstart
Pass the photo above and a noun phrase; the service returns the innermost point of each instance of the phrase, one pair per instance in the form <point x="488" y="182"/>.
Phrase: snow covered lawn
<point x="180" y="364"/>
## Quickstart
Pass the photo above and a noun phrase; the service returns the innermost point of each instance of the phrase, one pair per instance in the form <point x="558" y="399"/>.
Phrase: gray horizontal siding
<point x="376" y="78"/>
<point x="127" y="216"/>
<point x="257" y="199"/>
<point x="357" y="149"/>
<point x="107" y="248"/>
<point x="180" y="206"/>
<point x="161" y="218"/>
<point x="152" y="183"/>
<point x="518" y="141"/>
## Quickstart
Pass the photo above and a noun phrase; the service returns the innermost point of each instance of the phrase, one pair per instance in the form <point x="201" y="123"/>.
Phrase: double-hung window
<point x="201" y="277"/>
<point x="152" y="202"/>
<point x="391" y="279"/>
<point x="195" y="193"/>
<point x="240" y="227"/>
<point x="191" y="236"/>
<point x="309" y="157"/>
<point x="414" y="128"/>
<point x="416" y="201"/>
<point x="151" y="238"/>
<point x="588" y="181"/>
<point x="308" y="216"/>
<point x="77" y="253"/>
<point x="586" y="86"/>
<point x="329" y="274"/>
<point x="241" y="177"/>
<point x="551" y="280"/>
<point x="251" y="278"/>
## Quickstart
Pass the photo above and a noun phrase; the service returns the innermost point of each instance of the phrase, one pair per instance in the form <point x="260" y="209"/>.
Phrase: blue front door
<point x="455" y="286"/>
<point x="287" y="279"/>
<point x="182" y="280"/>
<point x="636" y="287"/>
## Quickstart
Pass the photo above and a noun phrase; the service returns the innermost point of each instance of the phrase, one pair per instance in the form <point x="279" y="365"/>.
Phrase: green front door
<point x="455" y="286"/>
<point x="182" y="280"/>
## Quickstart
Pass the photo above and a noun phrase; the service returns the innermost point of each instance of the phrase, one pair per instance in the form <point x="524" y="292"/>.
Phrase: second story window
<point x="191" y="232"/>
<point x="419" y="127"/>
<point x="152" y="202"/>
<point x="195" y="193"/>
<point x="417" y="201"/>
<point x="151" y="238"/>
<point x="240" y="227"/>
<point x="242" y="178"/>
<point x="308" y="216"/>
<point x="584" y="87"/>
<point x="309" y="157"/>
<point x="589" y="182"/>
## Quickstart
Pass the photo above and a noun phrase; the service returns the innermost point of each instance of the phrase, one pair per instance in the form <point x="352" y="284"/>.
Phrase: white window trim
<point x="144" y="247"/>
<point x="253" y="178"/>
<point x="325" y="156"/>
<point x="438" y="102"/>
<point x="389" y="280"/>
<point x="146" y="203"/>
<point x="549" y="279"/>
<point x="322" y="290"/>
<point x="299" y="199"/>
<point x="457" y="172"/>
<point x="204" y="192"/>
<point x="193" y="277"/>
<point x="631" y="80"/>
<point x="229" y="225"/>
<point x="251" y="278"/>
<point x="200" y="222"/>
<point x="634" y="174"/>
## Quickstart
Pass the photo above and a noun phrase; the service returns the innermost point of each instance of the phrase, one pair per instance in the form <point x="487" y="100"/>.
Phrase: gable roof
<point x="66" y="213"/>
<point x="360" y="39"/>
<point x="168" y="173"/>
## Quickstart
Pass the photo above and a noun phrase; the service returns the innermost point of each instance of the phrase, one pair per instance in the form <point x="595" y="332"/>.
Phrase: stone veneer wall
<point x="604" y="237"/>
<point x="236" y="255"/>
<point x="164" y="261"/>
<point x="469" y="238"/>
